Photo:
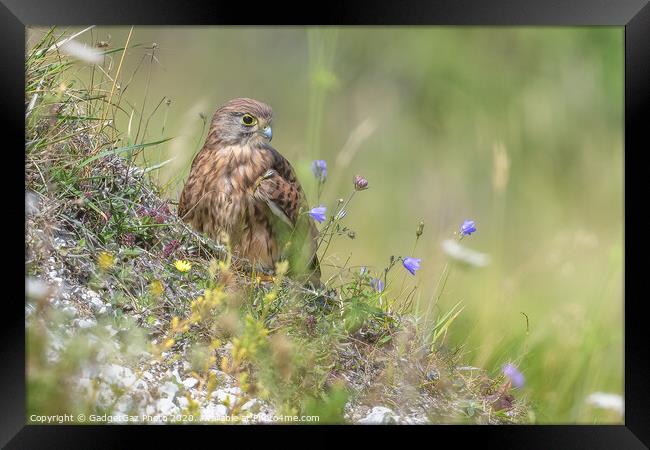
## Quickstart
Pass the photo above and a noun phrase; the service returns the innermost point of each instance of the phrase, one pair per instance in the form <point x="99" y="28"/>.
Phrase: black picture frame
<point x="633" y="15"/>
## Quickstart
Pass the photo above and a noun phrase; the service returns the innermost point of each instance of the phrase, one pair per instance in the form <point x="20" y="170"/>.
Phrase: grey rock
<point x="190" y="382"/>
<point x="86" y="323"/>
<point x="379" y="415"/>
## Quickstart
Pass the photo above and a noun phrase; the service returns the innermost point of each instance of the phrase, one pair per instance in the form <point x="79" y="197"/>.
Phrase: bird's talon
<point x="268" y="174"/>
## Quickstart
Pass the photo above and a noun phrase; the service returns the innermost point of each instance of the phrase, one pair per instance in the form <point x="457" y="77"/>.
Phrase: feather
<point x="240" y="185"/>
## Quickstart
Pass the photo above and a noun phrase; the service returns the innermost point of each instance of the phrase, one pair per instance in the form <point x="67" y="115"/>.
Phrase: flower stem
<point x="331" y="221"/>
<point x="401" y="289"/>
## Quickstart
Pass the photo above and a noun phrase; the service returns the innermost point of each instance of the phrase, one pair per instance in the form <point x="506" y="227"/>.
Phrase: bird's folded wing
<point x="283" y="197"/>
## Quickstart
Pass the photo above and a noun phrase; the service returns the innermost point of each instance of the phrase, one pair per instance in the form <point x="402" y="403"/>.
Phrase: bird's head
<point x="242" y="121"/>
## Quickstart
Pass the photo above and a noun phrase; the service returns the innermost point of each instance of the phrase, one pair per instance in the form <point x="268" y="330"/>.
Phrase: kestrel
<point x="240" y="185"/>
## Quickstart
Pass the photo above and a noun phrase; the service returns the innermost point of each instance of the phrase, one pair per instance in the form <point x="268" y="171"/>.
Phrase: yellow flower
<point x="105" y="260"/>
<point x="182" y="265"/>
<point x="282" y="267"/>
<point x="156" y="288"/>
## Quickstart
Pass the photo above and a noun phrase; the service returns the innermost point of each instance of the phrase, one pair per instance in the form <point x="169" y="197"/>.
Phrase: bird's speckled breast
<point x="226" y="203"/>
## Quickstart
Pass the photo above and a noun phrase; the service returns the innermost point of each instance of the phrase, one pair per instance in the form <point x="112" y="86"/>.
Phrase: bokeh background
<point x="519" y="129"/>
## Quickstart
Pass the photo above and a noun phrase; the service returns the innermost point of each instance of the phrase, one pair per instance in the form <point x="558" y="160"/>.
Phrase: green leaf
<point x="158" y="166"/>
<point x="115" y="151"/>
<point x="443" y="323"/>
<point x="385" y="339"/>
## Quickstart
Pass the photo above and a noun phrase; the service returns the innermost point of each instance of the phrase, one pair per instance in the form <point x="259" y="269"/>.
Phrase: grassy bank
<point x="129" y="311"/>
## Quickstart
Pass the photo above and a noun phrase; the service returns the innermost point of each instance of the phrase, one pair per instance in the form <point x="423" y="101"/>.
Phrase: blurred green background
<point x="519" y="129"/>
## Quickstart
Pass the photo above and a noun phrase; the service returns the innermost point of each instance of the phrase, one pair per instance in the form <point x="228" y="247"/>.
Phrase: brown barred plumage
<point x="240" y="185"/>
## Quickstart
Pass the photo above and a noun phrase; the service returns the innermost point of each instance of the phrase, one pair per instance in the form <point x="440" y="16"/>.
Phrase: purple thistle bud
<point x="128" y="239"/>
<point x="170" y="247"/>
<point x="161" y="214"/>
<point x="311" y="322"/>
<point x="377" y="285"/>
<point x="514" y="375"/>
<point x="319" y="169"/>
<point x="360" y="183"/>
<point x="318" y="213"/>
<point x="411" y="264"/>
<point x="467" y="228"/>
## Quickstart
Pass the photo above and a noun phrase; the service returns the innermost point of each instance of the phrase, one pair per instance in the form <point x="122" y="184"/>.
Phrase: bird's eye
<point x="248" y="120"/>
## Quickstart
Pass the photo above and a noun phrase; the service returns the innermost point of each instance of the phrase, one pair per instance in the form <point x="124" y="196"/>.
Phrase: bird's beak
<point x="268" y="132"/>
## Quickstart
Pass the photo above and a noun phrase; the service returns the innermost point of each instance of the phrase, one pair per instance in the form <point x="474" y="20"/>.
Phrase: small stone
<point x="123" y="404"/>
<point x="234" y="390"/>
<point x="167" y="407"/>
<point x="213" y="412"/>
<point x="190" y="382"/>
<point x="222" y="396"/>
<point x="176" y="375"/>
<point x="95" y="303"/>
<point x="379" y="415"/>
<point x="169" y="389"/>
<point x="86" y="323"/>
<point x="119" y="375"/>
<point x="249" y="405"/>
<point x="141" y="385"/>
<point x="69" y="311"/>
